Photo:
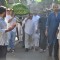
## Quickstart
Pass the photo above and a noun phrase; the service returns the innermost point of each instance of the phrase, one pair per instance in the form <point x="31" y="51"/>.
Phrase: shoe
<point x="12" y="50"/>
<point x="26" y="49"/>
<point x="31" y="48"/>
<point x="56" y="58"/>
<point x="44" y="50"/>
<point x="23" y="46"/>
<point x="50" y="55"/>
<point x="36" y="49"/>
<point x="41" y="50"/>
<point x="9" y="50"/>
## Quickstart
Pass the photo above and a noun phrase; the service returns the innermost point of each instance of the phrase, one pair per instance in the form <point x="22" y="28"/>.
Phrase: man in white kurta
<point x="29" y="28"/>
<point x="36" y="34"/>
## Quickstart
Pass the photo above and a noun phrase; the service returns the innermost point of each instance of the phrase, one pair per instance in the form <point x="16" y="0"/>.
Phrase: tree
<point x="3" y="2"/>
<point x="57" y="1"/>
<point x="20" y="9"/>
<point x="38" y="0"/>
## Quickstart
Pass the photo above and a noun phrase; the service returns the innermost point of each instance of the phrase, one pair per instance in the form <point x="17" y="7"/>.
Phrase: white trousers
<point x="28" y="40"/>
<point x="36" y="40"/>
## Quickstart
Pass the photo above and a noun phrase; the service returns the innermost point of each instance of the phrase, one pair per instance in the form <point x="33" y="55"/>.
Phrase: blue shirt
<point x="3" y="35"/>
<point x="52" y="24"/>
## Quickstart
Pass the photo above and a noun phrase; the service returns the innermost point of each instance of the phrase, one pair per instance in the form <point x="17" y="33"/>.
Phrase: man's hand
<point x="6" y="30"/>
<point x="46" y="33"/>
<point x="11" y="27"/>
<point x="57" y="32"/>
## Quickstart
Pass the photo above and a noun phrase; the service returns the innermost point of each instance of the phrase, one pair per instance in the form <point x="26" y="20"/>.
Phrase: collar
<point x="1" y="18"/>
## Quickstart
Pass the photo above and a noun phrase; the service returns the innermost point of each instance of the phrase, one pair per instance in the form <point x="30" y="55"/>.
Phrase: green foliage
<point x="20" y="9"/>
<point x="3" y="2"/>
<point x="58" y="1"/>
<point x="38" y="0"/>
<point x="6" y="3"/>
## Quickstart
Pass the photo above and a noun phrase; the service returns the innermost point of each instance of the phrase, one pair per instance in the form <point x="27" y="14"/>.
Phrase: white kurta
<point x="36" y="35"/>
<point x="29" y="27"/>
<point x="8" y="24"/>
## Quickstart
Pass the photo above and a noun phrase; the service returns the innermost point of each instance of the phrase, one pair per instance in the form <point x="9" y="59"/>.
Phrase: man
<point x="52" y="27"/>
<point x="36" y="33"/>
<point x="3" y="33"/>
<point x="35" y="17"/>
<point x="23" y="27"/>
<point x="29" y="26"/>
<point x="11" y="19"/>
<point x="42" y="26"/>
<point x="3" y="40"/>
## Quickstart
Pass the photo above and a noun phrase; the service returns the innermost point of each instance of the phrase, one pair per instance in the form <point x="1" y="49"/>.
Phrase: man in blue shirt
<point x="52" y="28"/>
<point x="3" y="33"/>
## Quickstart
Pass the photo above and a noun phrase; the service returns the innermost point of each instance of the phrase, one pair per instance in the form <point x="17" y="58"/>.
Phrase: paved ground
<point x="20" y="54"/>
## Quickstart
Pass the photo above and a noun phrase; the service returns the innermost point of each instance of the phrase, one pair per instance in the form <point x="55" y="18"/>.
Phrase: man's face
<point x="11" y="12"/>
<point x="4" y="14"/>
<point x="55" y="7"/>
<point x="8" y="12"/>
<point x="30" y="17"/>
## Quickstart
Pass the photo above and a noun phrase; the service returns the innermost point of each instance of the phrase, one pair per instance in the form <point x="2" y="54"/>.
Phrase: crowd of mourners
<point x="41" y="32"/>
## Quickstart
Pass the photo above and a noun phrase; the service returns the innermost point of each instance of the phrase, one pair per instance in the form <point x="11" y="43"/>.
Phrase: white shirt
<point x="29" y="27"/>
<point x="3" y="35"/>
<point x="12" y="22"/>
<point x="35" y="21"/>
<point x="35" y="18"/>
<point x="6" y="19"/>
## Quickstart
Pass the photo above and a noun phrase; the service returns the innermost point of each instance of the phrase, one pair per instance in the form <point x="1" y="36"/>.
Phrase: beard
<point x="4" y="15"/>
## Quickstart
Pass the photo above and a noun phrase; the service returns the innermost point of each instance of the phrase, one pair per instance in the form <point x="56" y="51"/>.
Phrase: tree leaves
<point x="20" y="9"/>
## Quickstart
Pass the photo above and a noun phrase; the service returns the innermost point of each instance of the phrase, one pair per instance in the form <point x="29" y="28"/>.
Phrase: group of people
<point x="7" y="31"/>
<point x="31" y="31"/>
<point x="40" y="31"/>
<point x="43" y="32"/>
<point x="10" y="20"/>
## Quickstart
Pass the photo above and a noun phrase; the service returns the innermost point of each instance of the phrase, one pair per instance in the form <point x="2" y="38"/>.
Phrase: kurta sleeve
<point x="1" y="30"/>
<point x="48" y="21"/>
<point x="24" y="21"/>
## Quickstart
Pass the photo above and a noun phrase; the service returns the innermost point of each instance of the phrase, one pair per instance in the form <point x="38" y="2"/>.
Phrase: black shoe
<point x="23" y="46"/>
<point x="50" y="55"/>
<point x="26" y="49"/>
<point x="56" y="58"/>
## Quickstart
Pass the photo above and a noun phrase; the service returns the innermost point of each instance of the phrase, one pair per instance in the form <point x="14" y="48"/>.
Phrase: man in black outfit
<point x="43" y="38"/>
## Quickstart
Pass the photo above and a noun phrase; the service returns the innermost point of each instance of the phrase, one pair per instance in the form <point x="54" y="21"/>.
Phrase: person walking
<point x="43" y="38"/>
<point x="51" y="31"/>
<point x="11" y="19"/>
<point x="3" y="33"/>
<point x="29" y="27"/>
